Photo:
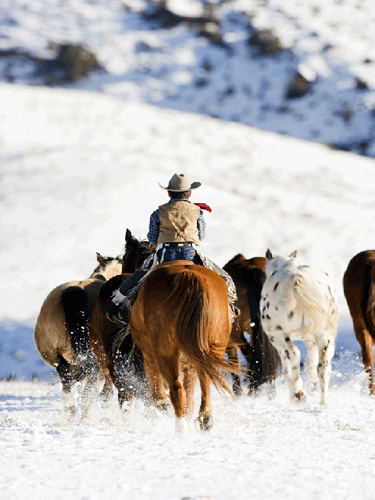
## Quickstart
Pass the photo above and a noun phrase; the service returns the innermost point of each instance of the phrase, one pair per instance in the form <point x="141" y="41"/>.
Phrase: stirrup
<point x="236" y="311"/>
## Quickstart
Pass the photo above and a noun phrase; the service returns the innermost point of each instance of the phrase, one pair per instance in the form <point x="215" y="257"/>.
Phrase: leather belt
<point x="183" y="244"/>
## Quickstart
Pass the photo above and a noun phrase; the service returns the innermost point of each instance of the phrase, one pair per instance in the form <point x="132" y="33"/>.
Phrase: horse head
<point x="136" y="252"/>
<point x="277" y="262"/>
<point x="107" y="267"/>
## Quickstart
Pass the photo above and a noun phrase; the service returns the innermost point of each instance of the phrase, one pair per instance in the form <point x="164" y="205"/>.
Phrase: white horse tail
<point x="316" y="298"/>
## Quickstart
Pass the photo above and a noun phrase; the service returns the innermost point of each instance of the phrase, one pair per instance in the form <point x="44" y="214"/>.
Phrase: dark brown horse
<point x="181" y="322"/>
<point x="359" y="291"/>
<point x="261" y="357"/>
<point x="112" y="344"/>
<point x="62" y="332"/>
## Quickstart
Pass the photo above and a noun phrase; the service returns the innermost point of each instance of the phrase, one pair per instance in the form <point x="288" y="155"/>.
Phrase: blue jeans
<point x="184" y="253"/>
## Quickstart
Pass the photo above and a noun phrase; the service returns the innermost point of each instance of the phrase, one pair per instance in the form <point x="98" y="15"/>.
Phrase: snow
<point x="78" y="167"/>
<point x="72" y="182"/>
<point x="331" y="41"/>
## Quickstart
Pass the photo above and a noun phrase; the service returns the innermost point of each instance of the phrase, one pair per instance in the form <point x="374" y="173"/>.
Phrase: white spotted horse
<point x="62" y="333"/>
<point x="299" y="303"/>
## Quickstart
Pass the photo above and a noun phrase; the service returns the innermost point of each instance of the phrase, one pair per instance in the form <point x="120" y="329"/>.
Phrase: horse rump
<point x="369" y="299"/>
<point x="192" y="327"/>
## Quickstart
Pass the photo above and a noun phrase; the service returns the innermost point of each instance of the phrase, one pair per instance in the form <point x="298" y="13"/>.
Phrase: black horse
<point x="261" y="357"/>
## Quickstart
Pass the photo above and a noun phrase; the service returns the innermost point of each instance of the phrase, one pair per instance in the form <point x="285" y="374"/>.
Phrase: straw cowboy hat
<point x="180" y="183"/>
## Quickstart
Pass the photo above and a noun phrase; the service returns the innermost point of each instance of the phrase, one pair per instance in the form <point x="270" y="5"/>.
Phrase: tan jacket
<point x="178" y="222"/>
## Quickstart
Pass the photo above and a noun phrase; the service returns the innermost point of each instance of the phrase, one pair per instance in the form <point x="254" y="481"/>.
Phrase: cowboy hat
<point x="179" y="183"/>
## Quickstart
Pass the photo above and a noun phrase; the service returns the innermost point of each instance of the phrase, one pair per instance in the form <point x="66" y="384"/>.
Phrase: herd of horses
<point x="182" y="330"/>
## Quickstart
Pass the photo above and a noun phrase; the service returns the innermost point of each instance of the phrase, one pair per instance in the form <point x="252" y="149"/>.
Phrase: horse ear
<point x="269" y="254"/>
<point x="99" y="258"/>
<point x="293" y="254"/>
<point x="128" y="236"/>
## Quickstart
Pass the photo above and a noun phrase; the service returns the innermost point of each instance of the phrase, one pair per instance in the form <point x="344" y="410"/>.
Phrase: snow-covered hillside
<point x="79" y="168"/>
<point x="240" y="64"/>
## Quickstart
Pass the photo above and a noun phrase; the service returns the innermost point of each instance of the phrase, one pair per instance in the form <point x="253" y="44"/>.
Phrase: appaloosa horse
<point x="181" y="322"/>
<point x="261" y="357"/>
<point x="299" y="303"/>
<point x="359" y="291"/>
<point x="62" y="332"/>
<point x="112" y="343"/>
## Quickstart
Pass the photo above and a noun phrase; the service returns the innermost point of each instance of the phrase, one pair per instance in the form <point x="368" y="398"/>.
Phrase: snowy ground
<point x="70" y="184"/>
<point x="259" y="448"/>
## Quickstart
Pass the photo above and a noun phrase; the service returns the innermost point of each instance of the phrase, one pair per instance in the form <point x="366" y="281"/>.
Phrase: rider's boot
<point x="119" y="314"/>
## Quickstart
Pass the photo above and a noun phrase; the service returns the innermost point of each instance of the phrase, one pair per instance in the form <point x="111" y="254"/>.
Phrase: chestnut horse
<point x="181" y="322"/>
<point x="112" y="344"/>
<point x="359" y="291"/>
<point x="62" y="332"/>
<point x="261" y="357"/>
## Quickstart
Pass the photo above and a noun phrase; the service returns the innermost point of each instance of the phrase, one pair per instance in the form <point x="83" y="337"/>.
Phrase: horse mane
<point x="236" y="258"/>
<point x="98" y="276"/>
<point x="104" y="264"/>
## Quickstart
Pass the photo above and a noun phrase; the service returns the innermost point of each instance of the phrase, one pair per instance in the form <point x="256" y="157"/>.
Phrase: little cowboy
<point x="176" y="228"/>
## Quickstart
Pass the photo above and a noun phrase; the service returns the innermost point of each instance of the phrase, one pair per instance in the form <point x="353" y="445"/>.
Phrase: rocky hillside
<point x="305" y="69"/>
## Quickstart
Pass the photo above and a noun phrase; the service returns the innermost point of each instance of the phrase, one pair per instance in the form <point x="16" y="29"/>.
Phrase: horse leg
<point x="366" y="342"/>
<point x="290" y="360"/>
<point x="311" y="364"/>
<point x="169" y="367"/>
<point x="233" y="358"/>
<point x="87" y="393"/>
<point x="64" y="370"/>
<point x="189" y="381"/>
<point x="118" y="370"/>
<point x="159" y="395"/>
<point x="326" y="348"/>
<point x="156" y="384"/>
<point x="106" y="393"/>
<point x="205" y="419"/>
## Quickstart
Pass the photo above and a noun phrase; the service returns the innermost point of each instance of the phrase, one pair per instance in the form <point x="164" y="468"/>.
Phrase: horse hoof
<point x="312" y="387"/>
<point x="105" y="403"/>
<point x="204" y="423"/>
<point x="300" y="397"/>
<point x="163" y="407"/>
<point x="125" y="406"/>
<point x="237" y="391"/>
<point x="162" y="404"/>
<point x="72" y="411"/>
<point x="181" y="427"/>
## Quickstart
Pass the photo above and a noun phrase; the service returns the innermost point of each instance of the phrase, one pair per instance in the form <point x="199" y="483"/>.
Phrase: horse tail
<point x="265" y="360"/>
<point x="311" y="297"/>
<point x="74" y="304"/>
<point x="191" y="302"/>
<point x="369" y="299"/>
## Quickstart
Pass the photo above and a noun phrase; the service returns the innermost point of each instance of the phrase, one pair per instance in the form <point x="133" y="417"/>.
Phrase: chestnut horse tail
<point x="74" y="304"/>
<point x="190" y="300"/>
<point x="369" y="300"/>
